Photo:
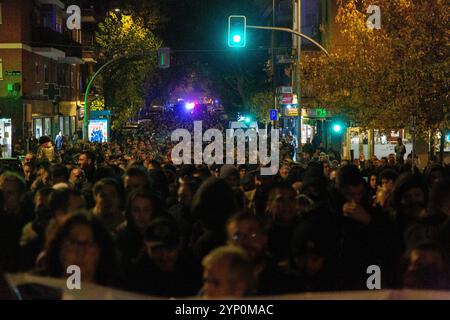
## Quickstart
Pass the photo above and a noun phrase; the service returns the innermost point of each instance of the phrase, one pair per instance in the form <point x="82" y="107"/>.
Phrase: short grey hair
<point x="239" y="264"/>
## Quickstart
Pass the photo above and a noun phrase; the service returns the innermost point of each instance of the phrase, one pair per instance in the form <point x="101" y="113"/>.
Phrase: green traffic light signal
<point x="237" y="31"/>
<point x="247" y="120"/>
<point x="337" y="128"/>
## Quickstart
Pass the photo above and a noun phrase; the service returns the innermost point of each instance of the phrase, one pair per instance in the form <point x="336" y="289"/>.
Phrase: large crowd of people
<point x="132" y="220"/>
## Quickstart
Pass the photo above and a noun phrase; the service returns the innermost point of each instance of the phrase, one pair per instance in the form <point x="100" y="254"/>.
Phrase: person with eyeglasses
<point x="246" y="231"/>
<point x="83" y="241"/>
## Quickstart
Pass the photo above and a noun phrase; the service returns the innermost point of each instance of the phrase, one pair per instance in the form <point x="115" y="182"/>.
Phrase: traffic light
<point x="247" y="120"/>
<point x="237" y="31"/>
<point x="337" y="127"/>
<point x="163" y="58"/>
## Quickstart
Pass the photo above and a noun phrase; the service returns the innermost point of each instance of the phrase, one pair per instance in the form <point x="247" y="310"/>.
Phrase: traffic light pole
<point x="297" y="72"/>
<point x="293" y="32"/>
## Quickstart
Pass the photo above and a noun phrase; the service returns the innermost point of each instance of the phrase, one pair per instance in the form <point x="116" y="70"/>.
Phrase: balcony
<point x="47" y="38"/>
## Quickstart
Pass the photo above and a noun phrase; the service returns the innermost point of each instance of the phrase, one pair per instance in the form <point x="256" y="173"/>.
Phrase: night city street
<point x="262" y="153"/>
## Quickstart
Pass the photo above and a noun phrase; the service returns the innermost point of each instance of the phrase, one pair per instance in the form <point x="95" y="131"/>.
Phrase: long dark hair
<point x="106" y="267"/>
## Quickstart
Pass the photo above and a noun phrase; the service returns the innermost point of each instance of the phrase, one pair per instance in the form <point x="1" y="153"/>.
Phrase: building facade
<point x="43" y="69"/>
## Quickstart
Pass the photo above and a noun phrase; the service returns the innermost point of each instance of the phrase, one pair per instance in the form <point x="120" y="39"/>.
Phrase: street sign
<point x="315" y="113"/>
<point x="291" y="112"/>
<point x="321" y="113"/>
<point x="283" y="59"/>
<point x="273" y="114"/>
<point x="284" y="89"/>
<point x="286" y="98"/>
<point x="13" y="73"/>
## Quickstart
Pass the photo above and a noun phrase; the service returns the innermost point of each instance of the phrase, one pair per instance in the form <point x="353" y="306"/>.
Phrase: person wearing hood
<point x="212" y="205"/>
<point x="230" y="174"/>
<point x="46" y="150"/>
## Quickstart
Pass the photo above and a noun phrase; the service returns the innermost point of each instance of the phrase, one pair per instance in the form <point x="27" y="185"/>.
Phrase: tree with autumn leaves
<point x="382" y="78"/>
<point x="123" y="35"/>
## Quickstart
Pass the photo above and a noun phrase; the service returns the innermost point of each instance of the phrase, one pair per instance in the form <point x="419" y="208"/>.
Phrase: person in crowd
<point x="142" y="207"/>
<point x="14" y="188"/>
<point x="228" y="273"/>
<point x="373" y="187"/>
<point x="29" y="174"/>
<point x="434" y="173"/>
<point x="43" y="178"/>
<point x="242" y="168"/>
<point x="181" y="211"/>
<point x="33" y="233"/>
<point x="46" y="150"/>
<point x="59" y="141"/>
<point x="162" y="269"/>
<point x="246" y="231"/>
<point x="400" y="151"/>
<point x="61" y="203"/>
<point x="86" y="162"/>
<point x="108" y="203"/>
<point x="212" y="205"/>
<point x="314" y="254"/>
<point x="230" y="174"/>
<point x="426" y="268"/>
<point x="59" y="174"/>
<point x="387" y="177"/>
<point x="366" y="233"/>
<point x="281" y="218"/>
<point x="409" y="204"/>
<point x="82" y="240"/>
<point x="430" y="225"/>
<point x="135" y="178"/>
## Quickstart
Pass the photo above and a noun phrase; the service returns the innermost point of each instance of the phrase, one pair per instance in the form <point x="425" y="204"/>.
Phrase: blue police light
<point x="190" y="105"/>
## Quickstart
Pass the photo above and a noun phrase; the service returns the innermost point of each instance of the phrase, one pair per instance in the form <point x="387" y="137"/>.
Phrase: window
<point x="46" y="78"/>
<point x="61" y="125"/>
<point x="36" y="72"/>
<point x="38" y="132"/>
<point x="0" y="15"/>
<point x="67" y="126"/>
<point x="1" y="62"/>
<point x="48" y="126"/>
<point x="71" y="79"/>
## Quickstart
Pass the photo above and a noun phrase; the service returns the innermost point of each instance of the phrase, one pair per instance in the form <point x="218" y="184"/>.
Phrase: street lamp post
<point x="86" y="105"/>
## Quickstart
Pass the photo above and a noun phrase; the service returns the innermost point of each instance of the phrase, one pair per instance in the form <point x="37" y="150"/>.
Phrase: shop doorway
<point x="5" y="137"/>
